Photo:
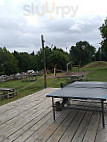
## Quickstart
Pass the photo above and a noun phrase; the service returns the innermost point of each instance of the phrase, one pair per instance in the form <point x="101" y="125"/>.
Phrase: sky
<point x="62" y="23"/>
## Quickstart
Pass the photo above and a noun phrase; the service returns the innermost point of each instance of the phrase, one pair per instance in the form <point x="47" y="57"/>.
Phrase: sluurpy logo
<point x="49" y="10"/>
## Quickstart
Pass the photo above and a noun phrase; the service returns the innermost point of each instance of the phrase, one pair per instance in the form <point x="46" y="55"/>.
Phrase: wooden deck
<point x="30" y="119"/>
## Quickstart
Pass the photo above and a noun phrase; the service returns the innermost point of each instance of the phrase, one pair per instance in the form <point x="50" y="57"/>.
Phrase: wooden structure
<point x="73" y="77"/>
<point x="78" y="77"/>
<point x="7" y="93"/>
<point x="30" y="119"/>
<point x="29" y="77"/>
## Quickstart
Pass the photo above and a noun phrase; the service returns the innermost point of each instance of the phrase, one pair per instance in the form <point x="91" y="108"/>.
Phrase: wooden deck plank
<point x="25" y="109"/>
<point x="69" y="133"/>
<point x="38" y="132"/>
<point x="46" y="130"/>
<point x="20" y="102"/>
<point x="24" y="132"/>
<point x="102" y="133"/>
<point x="92" y="129"/>
<point x="37" y="127"/>
<point x="79" y="135"/>
<point x="22" y="118"/>
<point x="15" y="132"/>
<point x="25" y="100"/>
<point x="56" y="126"/>
<point x="20" y="109"/>
<point x="12" y="127"/>
<point x="25" y="122"/>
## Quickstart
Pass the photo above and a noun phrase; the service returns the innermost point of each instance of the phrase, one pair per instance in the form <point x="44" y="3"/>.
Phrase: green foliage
<point x="54" y="58"/>
<point x="58" y="58"/>
<point x="83" y="52"/>
<point x="24" y="61"/>
<point x="7" y="58"/>
<point x="11" y="63"/>
<point x="10" y="68"/>
<point x="103" y="30"/>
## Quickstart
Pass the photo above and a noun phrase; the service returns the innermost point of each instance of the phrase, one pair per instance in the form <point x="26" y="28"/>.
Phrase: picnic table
<point x="78" y="77"/>
<point x="7" y="92"/>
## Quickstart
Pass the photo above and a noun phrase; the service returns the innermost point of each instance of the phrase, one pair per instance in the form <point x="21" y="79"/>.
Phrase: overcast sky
<point x="62" y="22"/>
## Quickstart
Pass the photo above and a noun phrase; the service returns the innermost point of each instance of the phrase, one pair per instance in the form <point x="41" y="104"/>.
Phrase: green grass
<point x="98" y="74"/>
<point x="96" y="64"/>
<point x="98" y="71"/>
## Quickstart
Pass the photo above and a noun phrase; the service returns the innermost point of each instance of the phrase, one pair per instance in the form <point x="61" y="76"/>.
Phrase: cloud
<point x="23" y="33"/>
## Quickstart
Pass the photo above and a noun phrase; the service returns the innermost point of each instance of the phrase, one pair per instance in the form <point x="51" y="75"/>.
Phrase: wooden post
<point x="44" y="61"/>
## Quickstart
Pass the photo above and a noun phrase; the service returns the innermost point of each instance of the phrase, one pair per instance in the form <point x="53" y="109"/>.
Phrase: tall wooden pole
<point x="44" y="61"/>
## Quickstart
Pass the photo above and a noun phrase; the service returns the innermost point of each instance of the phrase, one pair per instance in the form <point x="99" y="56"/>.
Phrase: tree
<point x="6" y="56"/>
<point x="54" y="58"/>
<point x="103" y="30"/>
<point x="24" y="61"/>
<point x="10" y="68"/>
<point x="58" y="58"/>
<point x="83" y="52"/>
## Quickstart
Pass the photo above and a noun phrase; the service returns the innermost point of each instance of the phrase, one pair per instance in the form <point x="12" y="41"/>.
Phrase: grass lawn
<point x="98" y="74"/>
<point x="98" y="71"/>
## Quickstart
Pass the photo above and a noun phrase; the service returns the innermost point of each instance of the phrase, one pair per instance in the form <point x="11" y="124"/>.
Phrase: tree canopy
<point x="83" y="52"/>
<point x="103" y="30"/>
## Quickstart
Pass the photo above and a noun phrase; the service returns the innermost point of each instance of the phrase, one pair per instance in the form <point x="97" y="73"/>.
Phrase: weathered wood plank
<point x="37" y="127"/>
<point x="28" y="114"/>
<point x="19" y="130"/>
<point x="25" y="100"/>
<point x="19" y="109"/>
<point x="49" y="133"/>
<point x="102" y="133"/>
<point x="92" y="129"/>
<point x="69" y="133"/>
<point x="25" y="117"/>
<point x="50" y="125"/>
<point x="12" y="114"/>
<point x="80" y="133"/>
<point x="25" y="120"/>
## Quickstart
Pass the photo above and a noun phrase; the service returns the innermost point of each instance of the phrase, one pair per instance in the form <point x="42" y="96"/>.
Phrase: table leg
<point x="53" y="108"/>
<point x="102" y="104"/>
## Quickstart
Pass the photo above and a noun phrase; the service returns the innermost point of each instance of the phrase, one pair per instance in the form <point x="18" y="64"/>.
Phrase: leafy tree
<point x="58" y="58"/>
<point x="103" y="30"/>
<point x="24" y="61"/>
<point x="54" y="58"/>
<point x="10" y="68"/>
<point x="6" y="56"/>
<point x="83" y="52"/>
